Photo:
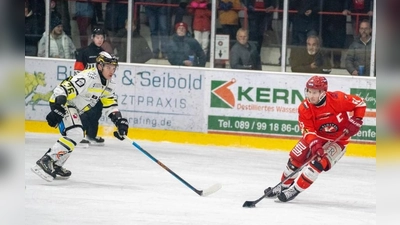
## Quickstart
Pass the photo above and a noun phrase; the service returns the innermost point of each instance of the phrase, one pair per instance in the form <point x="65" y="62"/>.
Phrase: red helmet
<point x="317" y="82"/>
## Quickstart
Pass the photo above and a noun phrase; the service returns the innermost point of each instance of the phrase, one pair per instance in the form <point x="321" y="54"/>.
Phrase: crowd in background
<point x="179" y="31"/>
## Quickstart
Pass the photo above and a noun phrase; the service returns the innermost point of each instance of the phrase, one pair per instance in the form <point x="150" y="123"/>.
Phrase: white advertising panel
<point x="266" y="103"/>
<point x="149" y="97"/>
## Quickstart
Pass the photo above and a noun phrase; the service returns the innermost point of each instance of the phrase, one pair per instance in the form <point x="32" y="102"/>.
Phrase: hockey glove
<point x="316" y="147"/>
<point x="121" y="124"/>
<point x="354" y="126"/>
<point x="56" y="115"/>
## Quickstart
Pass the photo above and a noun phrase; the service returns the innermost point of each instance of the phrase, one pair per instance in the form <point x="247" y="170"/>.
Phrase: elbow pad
<point x="114" y="116"/>
<point x="61" y="100"/>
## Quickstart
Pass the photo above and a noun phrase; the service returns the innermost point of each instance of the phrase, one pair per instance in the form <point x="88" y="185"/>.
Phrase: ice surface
<point x="117" y="184"/>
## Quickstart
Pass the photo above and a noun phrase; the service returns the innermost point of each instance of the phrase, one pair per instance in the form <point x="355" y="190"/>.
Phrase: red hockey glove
<point x="316" y="147"/>
<point x="354" y="126"/>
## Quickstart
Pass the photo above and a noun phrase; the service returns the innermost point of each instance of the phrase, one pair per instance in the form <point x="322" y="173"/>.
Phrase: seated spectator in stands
<point x="183" y="50"/>
<point x="310" y="59"/>
<point x="140" y="50"/>
<point x="61" y="45"/>
<point x="359" y="53"/>
<point x="244" y="54"/>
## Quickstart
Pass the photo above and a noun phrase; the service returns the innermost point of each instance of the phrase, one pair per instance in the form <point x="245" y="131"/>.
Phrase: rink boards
<point x="203" y="106"/>
<point x="262" y="143"/>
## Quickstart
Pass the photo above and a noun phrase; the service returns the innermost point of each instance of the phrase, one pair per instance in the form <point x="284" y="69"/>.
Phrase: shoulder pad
<point x="303" y="105"/>
<point x="91" y="73"/>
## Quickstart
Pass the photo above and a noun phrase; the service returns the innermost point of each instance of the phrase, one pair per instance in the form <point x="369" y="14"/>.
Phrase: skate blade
<point x="40" y="172"/>
<point x="61" y="178"/>
<point x="96" y="144"/>
<point x="82" y="145"/>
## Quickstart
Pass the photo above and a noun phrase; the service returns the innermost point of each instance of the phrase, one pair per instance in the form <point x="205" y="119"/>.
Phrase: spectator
<point x="228" y="17"/>
<point x="158" y="23"/>
<point x="63" y="10"/>
<point x="116" y="14"/>
<point x="85" y="59"/>
<point x="244" y="54"/>
<point x="98" y="13"/>
<point x="180" y="12"/>
<point x="184" y="50"/>
<point x="140" y="50"/>
<point x="107" y="45"/>
<point x="305" y="21"/>
<point x="259" y="14"/>
<point x="83" y="16"/>
<point x="61" y="46"/>
<point x="34" y="29"/>
<point x="201" y="22"/>
<point x="334" y="29"/>
<point x="360" y="6"/>
<point x="53" y="10"/>
<point x="310" y="59"/>
<point x="359" y="53"/>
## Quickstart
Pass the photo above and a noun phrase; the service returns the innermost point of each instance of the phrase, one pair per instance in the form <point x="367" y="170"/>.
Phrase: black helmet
<point x="99" y="31"/>
<point x="105" y="57"/>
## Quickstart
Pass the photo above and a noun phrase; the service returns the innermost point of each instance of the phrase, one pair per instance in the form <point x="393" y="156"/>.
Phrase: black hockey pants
<point x="90" y="120"/>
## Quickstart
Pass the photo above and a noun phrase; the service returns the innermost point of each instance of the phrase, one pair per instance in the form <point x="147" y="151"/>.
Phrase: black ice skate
<point x="61" y="171"/>
<point x="84" y="143"/>
<point x="97" y="141"/>
<point x="289" y="194"/>
<point x="44" y="168"/>
<point x="273" y="193"/>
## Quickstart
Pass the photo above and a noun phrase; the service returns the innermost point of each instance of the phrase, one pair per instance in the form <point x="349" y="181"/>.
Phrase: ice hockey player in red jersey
<point x="323" y="117"/>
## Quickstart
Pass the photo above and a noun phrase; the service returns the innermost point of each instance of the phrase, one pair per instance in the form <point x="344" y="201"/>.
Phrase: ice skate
<point x="97" y="141"/>
<point x="44" y="168"/>
<point x="273" y="193"/>
<point x="83" y="144"/>
<point x="289" y="194"/>
<point x="61" y="172"/>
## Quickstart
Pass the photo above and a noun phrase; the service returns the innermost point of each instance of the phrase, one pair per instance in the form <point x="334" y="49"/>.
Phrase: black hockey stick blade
<point x="252" y="204"/>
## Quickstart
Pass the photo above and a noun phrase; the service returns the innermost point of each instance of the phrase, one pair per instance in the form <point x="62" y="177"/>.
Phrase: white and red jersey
<point x="329" y="120"/>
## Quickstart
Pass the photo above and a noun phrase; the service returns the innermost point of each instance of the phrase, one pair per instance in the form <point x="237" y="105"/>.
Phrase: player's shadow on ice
<point x="325" y="204"/>
<point x="84" y="184"/>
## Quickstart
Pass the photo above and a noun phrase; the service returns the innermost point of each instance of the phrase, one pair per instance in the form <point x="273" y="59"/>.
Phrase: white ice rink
<point x="117" y="184"/>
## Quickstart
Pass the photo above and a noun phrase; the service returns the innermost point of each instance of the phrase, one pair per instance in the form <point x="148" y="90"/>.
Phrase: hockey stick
<point x="251" y="204"/>
<point x="214" y="188"/>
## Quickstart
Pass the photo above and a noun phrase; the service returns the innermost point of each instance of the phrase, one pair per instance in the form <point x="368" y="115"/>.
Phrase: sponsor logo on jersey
<point x="329" y="128"/>
<point x="92" y="74"/>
